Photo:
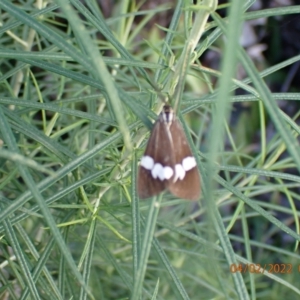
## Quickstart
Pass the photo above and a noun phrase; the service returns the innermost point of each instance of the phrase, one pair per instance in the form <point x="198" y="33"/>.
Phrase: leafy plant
<point x="78" y="93"/>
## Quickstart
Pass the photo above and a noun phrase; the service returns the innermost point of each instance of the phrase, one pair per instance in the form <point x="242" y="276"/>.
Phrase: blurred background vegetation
<point x="81" y="83"/>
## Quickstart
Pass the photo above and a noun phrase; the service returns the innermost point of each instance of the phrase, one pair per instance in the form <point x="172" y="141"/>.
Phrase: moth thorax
<point x="167" y="114"/>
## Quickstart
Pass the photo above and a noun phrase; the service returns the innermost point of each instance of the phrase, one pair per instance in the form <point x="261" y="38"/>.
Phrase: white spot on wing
<point x="179" y="172"/>
<point x="168" y="171"/>
<point x="157" y="171"/>
<point x="161" y="172"/>
<point x="147" y="162"/>
<point x="189" y="163"/>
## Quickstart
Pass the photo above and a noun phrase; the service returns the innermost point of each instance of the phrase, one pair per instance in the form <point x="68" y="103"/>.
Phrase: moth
<point x="168" y="162"/>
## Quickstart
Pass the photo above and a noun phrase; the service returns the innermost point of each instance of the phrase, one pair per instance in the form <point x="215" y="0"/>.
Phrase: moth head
<point x="167" y="114"/>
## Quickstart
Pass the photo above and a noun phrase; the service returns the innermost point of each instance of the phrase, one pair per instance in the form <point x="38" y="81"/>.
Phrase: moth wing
<point x="146" y="186"/>
<point x="159" y="142"/>
<point x="189" y="186"/>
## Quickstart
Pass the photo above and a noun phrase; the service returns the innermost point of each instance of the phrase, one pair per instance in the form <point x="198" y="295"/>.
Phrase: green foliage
<point x="77" y="94"/>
